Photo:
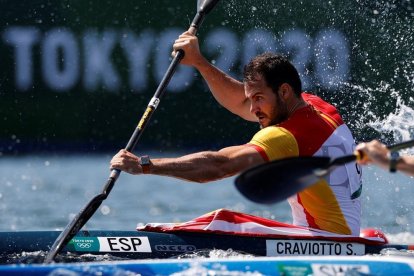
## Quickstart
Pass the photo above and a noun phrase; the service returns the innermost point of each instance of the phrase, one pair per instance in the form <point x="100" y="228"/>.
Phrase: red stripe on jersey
<point x="309" y="218"/>
<point x="309" y="128"/>
<point x="260" y="151"/>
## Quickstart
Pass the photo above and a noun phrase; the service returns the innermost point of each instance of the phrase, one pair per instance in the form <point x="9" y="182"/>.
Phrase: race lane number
<point x="314" y="248"/>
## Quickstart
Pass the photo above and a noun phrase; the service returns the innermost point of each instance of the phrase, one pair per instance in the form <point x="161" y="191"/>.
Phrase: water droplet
<point x="105" y="210"/>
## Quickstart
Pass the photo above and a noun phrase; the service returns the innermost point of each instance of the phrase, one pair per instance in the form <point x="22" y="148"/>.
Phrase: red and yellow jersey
<point x="317" y="130"/>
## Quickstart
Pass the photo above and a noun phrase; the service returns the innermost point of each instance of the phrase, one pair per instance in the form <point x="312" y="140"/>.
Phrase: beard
<point x="278" y="114"/>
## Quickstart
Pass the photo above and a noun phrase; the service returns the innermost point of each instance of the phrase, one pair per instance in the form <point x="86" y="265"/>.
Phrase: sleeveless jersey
<point x="332" y="204"/>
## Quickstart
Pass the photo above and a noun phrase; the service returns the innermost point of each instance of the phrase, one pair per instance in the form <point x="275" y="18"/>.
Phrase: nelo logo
<point x="175" y="247"/>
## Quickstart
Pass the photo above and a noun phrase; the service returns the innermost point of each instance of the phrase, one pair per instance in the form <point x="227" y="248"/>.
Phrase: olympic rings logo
<point x="84" y="245"/>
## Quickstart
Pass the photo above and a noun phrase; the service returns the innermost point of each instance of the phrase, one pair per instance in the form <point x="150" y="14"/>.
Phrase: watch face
<point x="144" y="160"/>
<point x="145" y="163"/>
<point x="394" y="155"/>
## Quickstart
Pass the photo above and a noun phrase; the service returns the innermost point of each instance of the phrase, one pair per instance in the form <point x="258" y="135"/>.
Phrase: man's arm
<point x="228" y="91"/>
<point x="197" y="167"/>
<point x="406" y="165"/>
<point x="377" y="153"/>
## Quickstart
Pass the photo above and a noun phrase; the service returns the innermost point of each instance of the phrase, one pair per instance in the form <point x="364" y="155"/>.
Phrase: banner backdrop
<point x="77" y="75"/>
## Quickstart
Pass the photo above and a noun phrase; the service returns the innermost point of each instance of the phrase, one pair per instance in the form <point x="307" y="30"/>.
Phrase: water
<point x="45" y="192"/>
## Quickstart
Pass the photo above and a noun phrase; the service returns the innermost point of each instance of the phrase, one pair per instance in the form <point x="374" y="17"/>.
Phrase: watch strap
<point x="394" y="158"/>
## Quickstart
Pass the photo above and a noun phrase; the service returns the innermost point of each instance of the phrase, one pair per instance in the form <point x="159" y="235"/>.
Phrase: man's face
<point x="267" y="106"/>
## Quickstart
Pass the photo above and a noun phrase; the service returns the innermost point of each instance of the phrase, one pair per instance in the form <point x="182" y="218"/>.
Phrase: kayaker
<point x="292" y="124"/>
<point x="377" y="153"/>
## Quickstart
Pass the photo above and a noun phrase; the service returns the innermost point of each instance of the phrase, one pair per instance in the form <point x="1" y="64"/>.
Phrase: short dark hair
<point x="276" y="70"/>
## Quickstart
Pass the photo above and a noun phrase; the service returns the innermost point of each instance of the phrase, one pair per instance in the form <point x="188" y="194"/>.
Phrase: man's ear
<point x="286" y="91"/>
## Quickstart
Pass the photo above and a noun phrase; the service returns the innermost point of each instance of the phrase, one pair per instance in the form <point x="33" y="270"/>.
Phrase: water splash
<point x="38" y="257"/>
<point x="402" y="238"/>
<point x="400" y="123"/>
<point x="395" y="252"/>
<point x="382" y="111"/>
<point x="376" y="112"/>
<point x="215" y="253"/>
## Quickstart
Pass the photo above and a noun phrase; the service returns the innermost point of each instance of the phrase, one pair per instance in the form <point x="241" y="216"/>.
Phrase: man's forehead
<point x="254" y="88"/>
<point x="256" y="83"/>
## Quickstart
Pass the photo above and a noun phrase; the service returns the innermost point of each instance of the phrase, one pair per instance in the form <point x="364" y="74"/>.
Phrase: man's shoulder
<point x="323" y="107"/>
<point x="315" y="100"/>
<point x="274" y="131"/>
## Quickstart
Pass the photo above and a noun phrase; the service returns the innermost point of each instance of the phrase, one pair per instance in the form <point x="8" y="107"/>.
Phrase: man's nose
<point x="252" y="108"/>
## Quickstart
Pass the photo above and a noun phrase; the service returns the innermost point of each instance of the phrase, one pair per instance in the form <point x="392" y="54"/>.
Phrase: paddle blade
<point x="205" y="6"/>
<point x="275" y="181"/>
<point x="74" y="226"/>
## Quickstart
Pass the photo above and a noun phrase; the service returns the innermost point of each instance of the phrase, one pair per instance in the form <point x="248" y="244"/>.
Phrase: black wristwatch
<point x="394" y="158"/>
<point x="145" y="163"/>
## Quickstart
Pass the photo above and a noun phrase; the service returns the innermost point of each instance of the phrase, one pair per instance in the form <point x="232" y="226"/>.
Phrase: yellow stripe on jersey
<point x="321" y="204"/>
<point x="329" y="119"/>
<point x="277" y="142"/>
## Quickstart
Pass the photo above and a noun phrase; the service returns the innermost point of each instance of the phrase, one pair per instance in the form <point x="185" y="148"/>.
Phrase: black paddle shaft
<point x="402" y="145"/>
<point x="204" y="7"/>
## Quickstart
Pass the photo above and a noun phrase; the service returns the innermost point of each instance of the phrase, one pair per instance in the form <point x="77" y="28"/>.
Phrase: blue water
<point x="44" y="192"/>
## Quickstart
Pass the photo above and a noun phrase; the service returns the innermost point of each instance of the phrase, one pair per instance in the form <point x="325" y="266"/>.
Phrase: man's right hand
<point x="189" y="44"/>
